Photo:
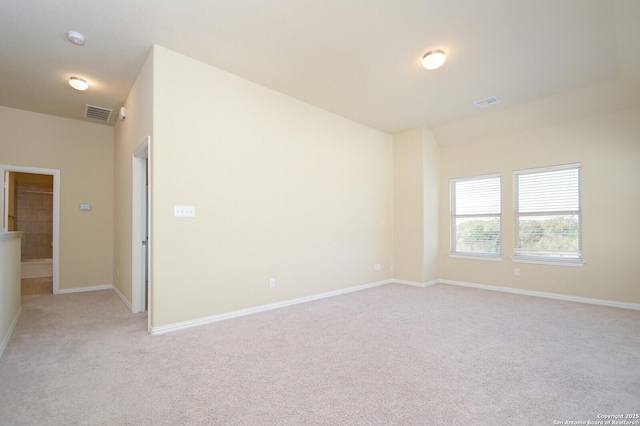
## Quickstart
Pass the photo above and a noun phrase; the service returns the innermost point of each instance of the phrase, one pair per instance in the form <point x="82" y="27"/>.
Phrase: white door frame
<point x="56" y="212"/>
<point x="141" y="227"/>
<point x="4" y="206"/>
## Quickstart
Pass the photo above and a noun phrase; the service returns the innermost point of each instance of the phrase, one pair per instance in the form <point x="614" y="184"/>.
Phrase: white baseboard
<point x="263" y="308"/>
<point x="124" y="299"/>
<point x="82" y="289"/>
<point x="416" y="283"/>
<point x="602" y="302"/>
<point x="5" y="339"/>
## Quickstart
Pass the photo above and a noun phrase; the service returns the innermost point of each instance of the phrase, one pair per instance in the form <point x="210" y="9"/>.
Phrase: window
<point x="548" y="214"/>
<point x="475" y="216"/>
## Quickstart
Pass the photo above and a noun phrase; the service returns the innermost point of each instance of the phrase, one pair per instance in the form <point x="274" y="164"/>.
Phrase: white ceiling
<point x="547" y="60"/>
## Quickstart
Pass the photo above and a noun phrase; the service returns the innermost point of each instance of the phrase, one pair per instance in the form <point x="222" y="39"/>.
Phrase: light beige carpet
<point x="392" y="355"/>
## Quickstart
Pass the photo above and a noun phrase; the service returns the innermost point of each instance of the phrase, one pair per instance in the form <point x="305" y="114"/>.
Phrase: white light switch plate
<point x="184" y="211"/>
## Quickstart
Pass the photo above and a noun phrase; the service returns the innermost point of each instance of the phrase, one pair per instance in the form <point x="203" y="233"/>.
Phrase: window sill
<point x="475" y="257"/>
<point x="577" y="263"/>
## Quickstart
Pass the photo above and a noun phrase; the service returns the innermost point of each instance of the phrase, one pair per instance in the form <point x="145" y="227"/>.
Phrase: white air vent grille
<point x="486" y="102"/>
<point x="98" y="113"/>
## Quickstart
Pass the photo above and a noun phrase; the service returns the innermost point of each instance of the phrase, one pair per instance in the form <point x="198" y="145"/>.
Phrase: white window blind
<point x="475" y="216"/>
<point x="548" y="214"/>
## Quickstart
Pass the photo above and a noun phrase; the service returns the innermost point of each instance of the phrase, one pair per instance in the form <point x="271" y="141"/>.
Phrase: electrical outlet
<point x="516" y="272"/>
<point x="376" y="267"/>
<point x="391" y="268"/>
<point x="272" y="283"/>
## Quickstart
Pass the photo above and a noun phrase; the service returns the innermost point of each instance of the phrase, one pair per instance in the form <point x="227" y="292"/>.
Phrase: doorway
<point x="31" y="203"/>
<point x="141" y="230"/>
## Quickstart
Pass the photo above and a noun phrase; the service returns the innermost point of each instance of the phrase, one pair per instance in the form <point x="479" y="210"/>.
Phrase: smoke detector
<point x="75" y="38"/>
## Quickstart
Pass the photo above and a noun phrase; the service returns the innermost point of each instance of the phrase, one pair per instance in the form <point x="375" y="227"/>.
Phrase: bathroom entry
<point x="31" y="204"/>
<point x="30" y="210"/>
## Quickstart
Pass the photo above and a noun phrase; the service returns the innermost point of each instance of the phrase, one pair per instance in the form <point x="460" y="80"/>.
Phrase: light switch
<point x="184" y="211"/>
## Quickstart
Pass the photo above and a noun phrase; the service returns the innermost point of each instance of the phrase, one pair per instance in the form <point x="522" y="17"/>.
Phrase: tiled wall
<point x="35" y="218"/>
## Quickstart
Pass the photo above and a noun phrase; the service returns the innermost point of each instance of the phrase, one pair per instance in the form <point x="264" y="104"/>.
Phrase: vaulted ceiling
<point x="546" y="60"/>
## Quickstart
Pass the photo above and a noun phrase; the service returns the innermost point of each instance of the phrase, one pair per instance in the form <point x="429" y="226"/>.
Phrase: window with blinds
<point x="475" y="216"/>
<point x="548" y="214"/>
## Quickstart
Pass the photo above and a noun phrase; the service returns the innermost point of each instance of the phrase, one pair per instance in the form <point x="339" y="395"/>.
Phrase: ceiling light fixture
<point x="433" y="59"/>
<point x="78" y="83"/>
<point x="75" y="38"/>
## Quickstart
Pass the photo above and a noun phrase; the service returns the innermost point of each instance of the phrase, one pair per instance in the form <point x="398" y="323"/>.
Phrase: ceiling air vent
<point x="98" y="113"/>
<point x="486" y="102"/>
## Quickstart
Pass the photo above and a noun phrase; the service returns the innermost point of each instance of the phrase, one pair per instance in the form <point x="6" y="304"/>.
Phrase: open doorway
<point x="31" y="204"/>
<point x="141" y="230"/>
<point x="30" y="210"/>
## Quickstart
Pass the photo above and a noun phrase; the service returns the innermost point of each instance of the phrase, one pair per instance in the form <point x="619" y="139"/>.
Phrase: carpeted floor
<point x="391" y="355"/>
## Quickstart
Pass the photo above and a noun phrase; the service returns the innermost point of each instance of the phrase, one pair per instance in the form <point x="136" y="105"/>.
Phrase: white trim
<point x="5" y="339"/>
<point x="416" y="283"/>
<point x="477" y="177"/>
<point x="475" y="257"/>
<point x="553" y="168"/>
<point x="610" y="303"/>
<point x="577" y="263"/>
<point x="413" y="283"/>
<point x="257" y="309"/>
<point x="141" y="167"/>
<point x="4" y="205"/>
<point x="83" y="289"/>
<point x="10" y="235"/>
<point x="121" y="296"/>
<point x="263" y="308"/>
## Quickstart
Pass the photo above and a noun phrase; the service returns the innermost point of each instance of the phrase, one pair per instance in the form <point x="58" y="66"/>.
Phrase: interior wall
<point x="608" y="146"/>
<point x="10" y="305"/>
<point x="408" y="203"/>
<point x="415" y="192"/>
<point x="130" y="133"/>
<point x="83" y="152"/>
<point x="281" y="190"/>
<point x="431" y="205"/>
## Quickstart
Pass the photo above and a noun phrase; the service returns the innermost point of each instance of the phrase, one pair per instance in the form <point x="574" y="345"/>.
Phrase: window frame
<point x="453" y="214"/>
<point x="520" y="254"/>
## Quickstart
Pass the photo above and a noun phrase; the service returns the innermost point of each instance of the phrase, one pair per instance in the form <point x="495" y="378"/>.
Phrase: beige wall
<point x="281" y="190"/>
<point x="431" y="191"/>
<point x="608" y="146"/>
<point x="287" y="191"/>
<point x="83" y="152"/>
<point x="416" y="161"/>
<point x="129" y="135"/>
<point x="9" y="284"/>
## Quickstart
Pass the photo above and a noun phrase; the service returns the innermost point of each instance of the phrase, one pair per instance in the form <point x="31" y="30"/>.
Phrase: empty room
<point x="332" y="213"/>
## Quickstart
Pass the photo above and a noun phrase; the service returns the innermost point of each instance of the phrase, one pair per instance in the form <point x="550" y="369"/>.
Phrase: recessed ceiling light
<point x="433" y="59"/>
<point x="75" y="38"/>
<point x="78" y="83"/>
